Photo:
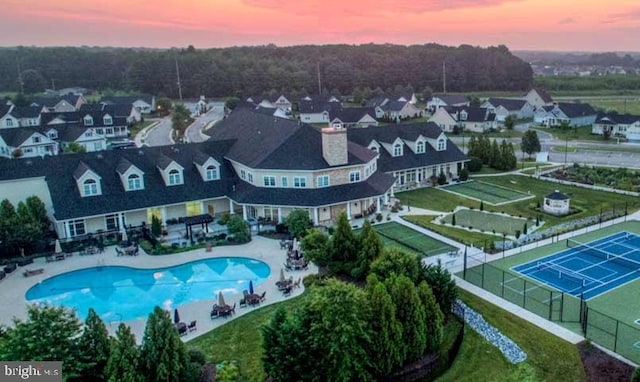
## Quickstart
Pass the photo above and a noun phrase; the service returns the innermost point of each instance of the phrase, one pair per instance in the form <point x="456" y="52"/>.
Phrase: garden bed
<point x="616" y="178"/>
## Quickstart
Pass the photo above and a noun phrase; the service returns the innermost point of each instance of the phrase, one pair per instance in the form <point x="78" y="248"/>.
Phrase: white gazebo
<point x="556" y="203"/>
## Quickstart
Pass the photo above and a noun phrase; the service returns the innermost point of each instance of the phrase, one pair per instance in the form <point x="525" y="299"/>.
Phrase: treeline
<point x="598" y="59"/>
<point x="587" y="83"/>
<point x="260" y="69"/>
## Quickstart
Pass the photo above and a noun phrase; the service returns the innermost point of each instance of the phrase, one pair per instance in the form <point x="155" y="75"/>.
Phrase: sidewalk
<point x="142" y="134"/>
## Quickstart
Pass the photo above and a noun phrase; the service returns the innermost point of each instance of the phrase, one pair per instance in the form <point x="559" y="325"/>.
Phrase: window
<point x="193" y="208"/>
<point x="441" y="144"/>
<point x="323" y="181"/>
<point x="174" y="177"/>
<point x="269" y="181"/>
<point x="107" y="120"/>
<point x="90" y="187"/>
<point x="354" y="176"/>
<point x="53" y="134"/>
<point x="88" y="134"/>
<point x="250" y="177"/>
<point x="9" y="122"/>
<point x="374" y="148"/>
<point x="134" y="182"/>
<point x="211" y="172"/>
<point x="397" y="150"/>
<point x="112" y="222"/>
<point x="299" y="182"/>
<point x="109" y="131"/>
<point x="99" y="131"/>
<point x="285" y="181"/>
<point x="243" y="175"/>
<point x="420" y="148"/>
<point x="97" y="146"/>
<point x="88" y="121"/>
<point x="36" y="139"/>
<point x="76" y="228"/>
<point x="463" y="116"/>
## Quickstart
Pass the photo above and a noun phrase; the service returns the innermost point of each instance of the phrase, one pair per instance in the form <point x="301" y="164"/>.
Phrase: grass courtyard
<point x="489" y="222"/>
<point x="487" y="192"/>
<point x="397" y="235"/>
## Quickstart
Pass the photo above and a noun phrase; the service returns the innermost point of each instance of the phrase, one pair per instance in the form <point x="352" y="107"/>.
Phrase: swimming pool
<point x="125" y="293"/>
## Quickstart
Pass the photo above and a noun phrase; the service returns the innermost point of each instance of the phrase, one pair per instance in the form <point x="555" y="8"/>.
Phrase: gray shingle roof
<point x="80" y="170"/>
<point x="127" y="99"/>
<point x="474" y="114"/>
<point x="353" y="114"/>
<point x="543" y="95"/>
<point x="574" y="110"/>
<point x="393" y="105"/>
<point x="25" y="112"/>
<point x="314" y="106"/>
<point x="625" y="119"/>
<point x="452" y="99"/>
<point x="508" y="103"/>
<point x="15" y="137"/>
<point x="557" y="195"/>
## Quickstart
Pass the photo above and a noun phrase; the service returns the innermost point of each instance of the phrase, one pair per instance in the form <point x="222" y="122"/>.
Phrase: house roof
<point x="474" y="114"/>
<point x="510" y="104"/>
<point x="68" y="132"/>
<point x="543" y="95"/>
<point x="352" y="114"/>
<point x="268" y="142"/>
<point x="16" y="136"/>
<point x="557" y="195"/>
<point x="624" y="119"/>
<point x="53" y="101"/>
<point x="4" y="109"/>
<point x="408" y="132"/>
<point x="319" y="106"/>
<point x="25" y="112"/>
<point x="393" y="105"/>
<point x="574" y="110"/>
<point x="377" y="101"/>
<point x="127" y="99"/>
<point x="77" y="118"/>
<point x="452" y="99"/>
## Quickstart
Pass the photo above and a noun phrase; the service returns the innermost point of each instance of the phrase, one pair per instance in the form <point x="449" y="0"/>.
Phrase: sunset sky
<point x="576" y="25"/>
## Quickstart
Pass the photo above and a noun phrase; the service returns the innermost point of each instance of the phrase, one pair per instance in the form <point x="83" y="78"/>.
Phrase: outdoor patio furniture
<point x="263" y="296"/>
<point x="192" y="326"/>
<point x="182" y="328"/>
<point x="60" y="256"/>
<point x="24" y="262"/>
<point x="32" y="272"/>
<point x="2" y="275"/>
<point x="287" y="291"/>
<point x="10" y="267"/>
<point x="243" y="303"/>
<point x="297" y="283"/>
<point x="49" y="259"/>
<point x="119" y="252"/>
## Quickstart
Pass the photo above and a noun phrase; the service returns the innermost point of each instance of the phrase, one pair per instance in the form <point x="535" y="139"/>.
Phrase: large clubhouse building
<point x="253" y="164"/>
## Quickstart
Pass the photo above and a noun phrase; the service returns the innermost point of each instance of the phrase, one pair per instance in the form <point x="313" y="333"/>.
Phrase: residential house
<point x="27" y="116"/>
<point x="144" y="103"/>
<point x="8" y="121"/>
<point x="354" y="117"/>
<point x="399" y="110"/>
<point x="318" y="109"/>
<point x="437" y="101"/>
<point x="538" y="98"/>
<point x="102" y="123"/>
<point x="415" y="154"/>
<point x="271" y="101"/>
<point x="124" y="110"/>
<point x="60" y="104"/>
<point x="475" y="119"/>
<point x="78" y="134"/>
<point x="503" y="107"/>
<point x="274" y="112"/>
<point x="575" y="114"/>
<point x="617" y="125"/>
<point x="26" y="142"/>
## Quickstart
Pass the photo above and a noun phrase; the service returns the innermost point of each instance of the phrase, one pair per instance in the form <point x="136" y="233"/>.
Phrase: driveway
<point x="194" y="131"/>
<point x="160" y="134"/>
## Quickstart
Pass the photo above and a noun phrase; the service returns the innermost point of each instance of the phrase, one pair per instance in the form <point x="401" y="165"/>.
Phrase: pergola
<point x="203" y="220"/>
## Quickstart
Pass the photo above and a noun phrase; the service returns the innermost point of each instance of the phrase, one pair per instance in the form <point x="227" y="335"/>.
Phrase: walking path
<point x="15" y="286"/>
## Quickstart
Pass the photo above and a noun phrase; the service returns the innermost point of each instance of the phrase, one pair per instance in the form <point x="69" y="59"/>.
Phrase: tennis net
<point x="566" y="273"/>
<point x="600" y="253"/>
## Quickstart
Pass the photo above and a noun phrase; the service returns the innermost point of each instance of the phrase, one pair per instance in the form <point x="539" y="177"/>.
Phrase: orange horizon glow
<point x="568" y="25"/>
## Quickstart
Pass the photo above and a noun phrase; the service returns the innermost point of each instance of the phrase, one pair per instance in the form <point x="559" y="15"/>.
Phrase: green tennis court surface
<point x="417" y="242"/>
<point x="487" y="192"/>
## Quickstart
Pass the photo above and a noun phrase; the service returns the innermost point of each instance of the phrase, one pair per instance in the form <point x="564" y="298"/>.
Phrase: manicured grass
<point x="582" y="133"/>
<point x="241" y="340"/>
<point x="488" y="222"/>
<point x="435" y="199"/>
<point x="135" y="129"/>
<point x="458" y="234"/>
<point x="487" y="192"/>
<point x="631" y="106"/>
<point x="549" y="358"/>
<point x="504" y="133"/>
<point x="418" y="242"/>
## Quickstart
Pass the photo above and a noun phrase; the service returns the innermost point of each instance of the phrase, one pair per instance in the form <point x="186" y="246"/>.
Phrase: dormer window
<point x="397" y="150"/>
<point x="87" y="120"/>
<point x="89" y="187"/>
<point x="463" y="115"/>
<point x="420" y="147"/>
<point x="134" y="182"/>
<point x="442" y="144"/>
<point x="174" y="177"/>
<point x="374" y="148"/>
<point x="36" y="139"/>
<point x="107" y="120"/>
<point x="211" y="173"/>
<point x="53" y="134"/>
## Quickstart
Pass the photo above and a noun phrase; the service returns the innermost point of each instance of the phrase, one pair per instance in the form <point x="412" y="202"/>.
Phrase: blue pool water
<point x="124" y="293"/>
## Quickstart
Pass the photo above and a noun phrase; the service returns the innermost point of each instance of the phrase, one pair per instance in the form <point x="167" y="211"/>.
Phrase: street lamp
<point x="566" y="147"/>
<point x="504" y="242"/>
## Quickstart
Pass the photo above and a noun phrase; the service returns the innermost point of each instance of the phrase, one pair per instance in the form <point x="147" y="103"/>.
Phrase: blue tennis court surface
<point x="589" y="269"/>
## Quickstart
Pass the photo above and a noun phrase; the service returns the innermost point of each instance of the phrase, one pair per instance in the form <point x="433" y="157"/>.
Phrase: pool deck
<point x="15" y="285"/>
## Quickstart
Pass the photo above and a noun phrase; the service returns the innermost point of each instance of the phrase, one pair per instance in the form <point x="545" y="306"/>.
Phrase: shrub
<point x="474" y="164"/>
<point x="453" y="219"/>
<point x="517" y="233"/>
<point x="379" y="217"/>
<point x="481" y="205"/>
<point x="464" y="174"/>
<point x="224" y="219"/>
<point x="442" y="178"/>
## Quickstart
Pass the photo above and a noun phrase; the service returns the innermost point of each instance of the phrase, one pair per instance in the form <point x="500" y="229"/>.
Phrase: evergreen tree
<point x="530" y="142"/>
<point x="38" y="213"/>
<point x="512" y="159"/>
<point x="156" y="226"/>
<point x="124" y="358"/>
<point x="442" y="285"/>
<point x="453" y="219"/>
<point x="410" y="313"/>
<point x="481" y="205"/>
<point x="485" y="152"/>
<point x="315" y="246"/>
<point x="505" y="156"/>
<point x="442" y="178"/>
<point x="433" y="317"/>
<point x="273" y="343"/>
<point x="473" y="147"/>
<point x="370" y="249"/>
<point x="524" y="229"/>
<point x="494" y="159"/>
<point x="94" y="348"/>
<point x="394" y="261"/>
<point x="8" y="220"/>
<point x="344" y="248"/>
<point x="162" y="356"/>
<point x="387" y="343"/>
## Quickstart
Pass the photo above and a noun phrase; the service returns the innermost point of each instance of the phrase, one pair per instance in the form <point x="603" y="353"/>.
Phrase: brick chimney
<point x="334" y="145"/>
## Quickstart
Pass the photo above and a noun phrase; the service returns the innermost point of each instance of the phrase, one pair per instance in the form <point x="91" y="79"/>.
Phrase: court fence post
<point x="615" y="341"/>
<point x="561" y="306"/>
<point x="482" y="279"/>
<point x="550" y="305"/>
<point x="524" y="295"/>
<point x="502" y="295"/>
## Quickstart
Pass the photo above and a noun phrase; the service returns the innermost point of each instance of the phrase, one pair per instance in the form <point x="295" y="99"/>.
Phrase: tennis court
<point x="487" y="192"/>
<point x="410" y="238"/>
<point x="589" y="269"/>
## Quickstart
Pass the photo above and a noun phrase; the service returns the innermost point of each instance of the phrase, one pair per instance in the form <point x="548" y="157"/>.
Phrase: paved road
<point x="216" y="113"/>
<point x="160" y="135"/>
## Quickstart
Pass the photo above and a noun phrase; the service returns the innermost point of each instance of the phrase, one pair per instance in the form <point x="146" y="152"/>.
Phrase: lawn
<point x="623" y="105"/>
<point x="138" y="127"/>
<point x="241" y="340"/>
<point x="549" y="358"/>
<point x="488" y="222"/>
<point x="458" y="234"/>
<point x="416" y="241"/>
<point x="582" y="133"/>
<point x="487" y="192"/>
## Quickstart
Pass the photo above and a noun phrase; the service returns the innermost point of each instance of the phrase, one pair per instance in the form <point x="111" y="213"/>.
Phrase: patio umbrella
<point x="281" y="275"/>
<point x="58" y="247"/>
<point x="250" y="287"/>
<point x="221" y="299"/>
<point x="124" y="235"/>
<point x="176" y="316"/>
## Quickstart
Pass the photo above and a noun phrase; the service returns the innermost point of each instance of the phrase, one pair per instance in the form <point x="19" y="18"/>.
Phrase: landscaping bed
<point x="616" y="178"/>
<point x="601" y="367"/>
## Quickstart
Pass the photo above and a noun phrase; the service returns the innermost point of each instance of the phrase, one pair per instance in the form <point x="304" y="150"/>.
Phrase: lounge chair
<point x="192" y="326"/>
<point x="49" y="259"/>
<point x="243" y="302"/>
<point x="287" y="291"/>
<point x="263" y="296"/>
<point x="297" y="283"/>
<point x="32" y="272"/>
<point x="119" y="252"/>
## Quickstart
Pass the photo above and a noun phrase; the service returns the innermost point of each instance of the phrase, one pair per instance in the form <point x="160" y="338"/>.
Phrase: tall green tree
<point x="387" y="346"/>
<point x="370" y="249"/>
<point x="394" y="261"/>
<point x="315" y="246"/>
<point x="163" y="356"/>
<point x="38" y="213"/>
<point x="530" y="142"/>
<point x="180" y="119"/>
<point x="298" y="222"/>
<point x="433" y="317"/>
<point x="410" y="312"/>
<point x="495" y="160"/>
<point x="344" y="246"/>
<point x="239" y="228"/>
<point x="442" y="285"/>
<point x="124" y="357"/>
<point x="273" y="341"/>
<point x="94" y="347"/>
<point x="48" y="333"/>
<point x="510" y="122"/>
<point x="8" y="219"/>
<point x="512" y="160"/>
<point x="485" y="150"/>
